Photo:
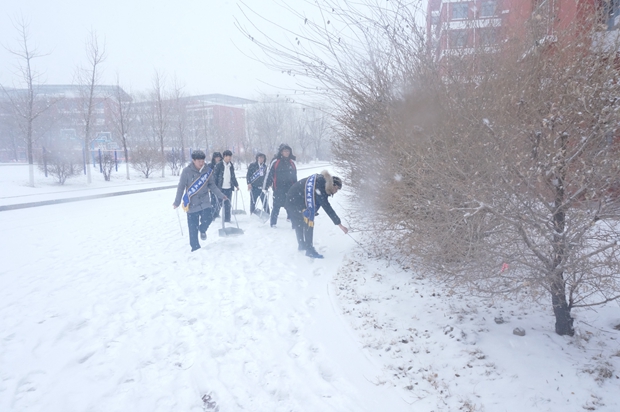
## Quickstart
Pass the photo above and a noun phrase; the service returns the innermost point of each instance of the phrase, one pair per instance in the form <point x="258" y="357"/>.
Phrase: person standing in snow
<point x="255" y="178"/>
<point x="197" y="182"/>
<point x="226" y="181"/>
<point x="281" y="176"/>
<point x="304" y="199"/>
<point x="215" y="159"/>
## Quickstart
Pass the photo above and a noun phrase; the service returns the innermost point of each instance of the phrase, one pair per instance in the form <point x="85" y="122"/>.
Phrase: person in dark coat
<point x="281" y="176"/>
<point x="255" y="178"/>
<point x="303" y="201"/>
<point x="215" y="159"/>
<point x="197" y="182"/>
<point x="226" y="180"/>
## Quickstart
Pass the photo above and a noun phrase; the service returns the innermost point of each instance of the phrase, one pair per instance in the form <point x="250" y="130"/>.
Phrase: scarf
<point x="195" y="187"/>
<point x="312" y="204"/>
<point x="260" y="172"/>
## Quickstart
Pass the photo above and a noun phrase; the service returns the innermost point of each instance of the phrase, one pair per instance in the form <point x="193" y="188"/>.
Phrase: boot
<point x="312" y="253"/>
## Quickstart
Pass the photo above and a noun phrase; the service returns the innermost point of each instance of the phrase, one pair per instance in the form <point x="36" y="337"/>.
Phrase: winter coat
<point x="202" y="199"/>
<point x="252" y="168"/>
<point x="212" y="164"/>
<point x="282" y="171"/>
<point x="296" y="196"/>
<point x="219" y="175"/>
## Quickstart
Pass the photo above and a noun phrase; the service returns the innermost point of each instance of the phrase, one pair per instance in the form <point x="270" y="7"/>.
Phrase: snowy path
<point x="103" y="308"/>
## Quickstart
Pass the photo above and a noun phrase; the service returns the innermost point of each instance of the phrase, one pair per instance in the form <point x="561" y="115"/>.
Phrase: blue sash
<point x="260" y="172"/>
<point x="312" y="204"/>
<point x="195" y="188"/>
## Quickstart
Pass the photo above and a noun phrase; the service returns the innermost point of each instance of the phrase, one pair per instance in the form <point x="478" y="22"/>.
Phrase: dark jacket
<point x="296" y="199"/>
<point x="253" y="168"/>
<point x="219" y="175"/>
<point x="282" y="171"/>
<point x="212" y="164"/>
<point x="202" y="199"/>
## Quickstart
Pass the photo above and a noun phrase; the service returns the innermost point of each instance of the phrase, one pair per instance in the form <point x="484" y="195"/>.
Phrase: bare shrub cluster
<point x="497" y="168"/>
<point x="61" y="162"/>
<point x="504" y="174"/>
<point x="146" y="159"/>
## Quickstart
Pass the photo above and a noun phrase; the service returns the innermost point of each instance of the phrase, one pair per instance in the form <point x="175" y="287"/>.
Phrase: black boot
<point x="312" y="253"/>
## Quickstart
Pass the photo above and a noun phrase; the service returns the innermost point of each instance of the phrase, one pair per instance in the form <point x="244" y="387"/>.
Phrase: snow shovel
<point x="237" y="211"/>
<point x="260" y="211"/>
<point x="230" y="231"/>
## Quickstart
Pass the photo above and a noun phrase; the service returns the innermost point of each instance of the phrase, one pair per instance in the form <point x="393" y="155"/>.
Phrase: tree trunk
<point x="561" y="310"/>
<point x="126" y="159"/>
<point x="163" y="159"/>
<point x="30" y="161"/>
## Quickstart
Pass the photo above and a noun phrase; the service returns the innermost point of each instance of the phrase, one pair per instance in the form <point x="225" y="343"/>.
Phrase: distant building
<point x="212" y="121"/>
<point x="458" y="27"/>
<point x="64" y="120"/>
<point x="216" y="121"/>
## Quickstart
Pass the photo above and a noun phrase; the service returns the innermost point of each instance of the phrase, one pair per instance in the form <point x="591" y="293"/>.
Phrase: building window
<point x="459" y="11"/>
<point x="613" y="13"/>
<point x="488" y="8"/>
<point x="434" y="19"/>
<point x="458" y="39"/>
<point x="487" y="37"/>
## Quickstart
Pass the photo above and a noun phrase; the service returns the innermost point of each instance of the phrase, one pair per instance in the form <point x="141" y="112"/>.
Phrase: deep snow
<point x="104" y="308"/>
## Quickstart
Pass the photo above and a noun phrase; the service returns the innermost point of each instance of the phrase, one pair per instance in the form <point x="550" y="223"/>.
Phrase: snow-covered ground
<point x="104" y="308"/>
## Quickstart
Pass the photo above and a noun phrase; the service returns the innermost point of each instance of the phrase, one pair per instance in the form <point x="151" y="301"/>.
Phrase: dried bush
<point x="146" y="159"/>
<point x="108" y="163"/>
<point x="173" y="159"/>
<point x="62" y="163"/>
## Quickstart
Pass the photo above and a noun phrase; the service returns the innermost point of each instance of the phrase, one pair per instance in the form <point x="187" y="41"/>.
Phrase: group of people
<point x="204" y="190"/>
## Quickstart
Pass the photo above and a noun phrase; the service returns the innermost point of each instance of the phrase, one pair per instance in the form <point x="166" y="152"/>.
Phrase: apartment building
<point x="458" y="27"/>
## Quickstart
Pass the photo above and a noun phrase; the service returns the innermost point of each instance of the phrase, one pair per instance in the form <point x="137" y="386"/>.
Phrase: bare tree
<point x="271" y="120"/>
<point x="123" y="115"/>
<point x="88" y="78"/>
<point x="299" y="133"/>
<point x="161" y="115"/>
<point x="180" y="117"/>
<point x="319" y="130"/>
<point x="25" y="103"/>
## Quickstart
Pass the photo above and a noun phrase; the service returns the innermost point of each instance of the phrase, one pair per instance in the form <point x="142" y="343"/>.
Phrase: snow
<point x="104" y="308"/>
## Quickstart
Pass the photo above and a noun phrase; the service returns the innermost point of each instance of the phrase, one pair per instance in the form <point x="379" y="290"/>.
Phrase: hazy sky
<point x="194" y="40"/>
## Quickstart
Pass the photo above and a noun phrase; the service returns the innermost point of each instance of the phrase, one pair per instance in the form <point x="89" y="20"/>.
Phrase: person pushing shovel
<point x="255" y="177"/>
<point x="197" y="183"/>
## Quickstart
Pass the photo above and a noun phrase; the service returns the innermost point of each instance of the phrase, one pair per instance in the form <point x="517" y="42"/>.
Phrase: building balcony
<point x="470" y="24"/>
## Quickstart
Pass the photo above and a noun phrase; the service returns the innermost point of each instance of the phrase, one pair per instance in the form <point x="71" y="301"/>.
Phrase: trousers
<point x="198" y="221"/>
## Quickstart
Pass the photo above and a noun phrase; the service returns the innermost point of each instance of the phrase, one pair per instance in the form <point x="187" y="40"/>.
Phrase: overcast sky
<point x="194" y="40"/>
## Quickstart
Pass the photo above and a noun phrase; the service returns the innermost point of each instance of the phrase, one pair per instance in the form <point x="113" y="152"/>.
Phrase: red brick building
<point x="217" y="122"/>
<point x="462" y="26"/>
<point x="61" y="119"/>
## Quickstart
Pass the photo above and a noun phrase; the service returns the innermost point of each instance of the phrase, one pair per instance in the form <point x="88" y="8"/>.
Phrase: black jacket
<point x="219" y="175"/>
<point x="282" y="171"/>
<point x="252" y="168"/>
<point x="296" y="200"/>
